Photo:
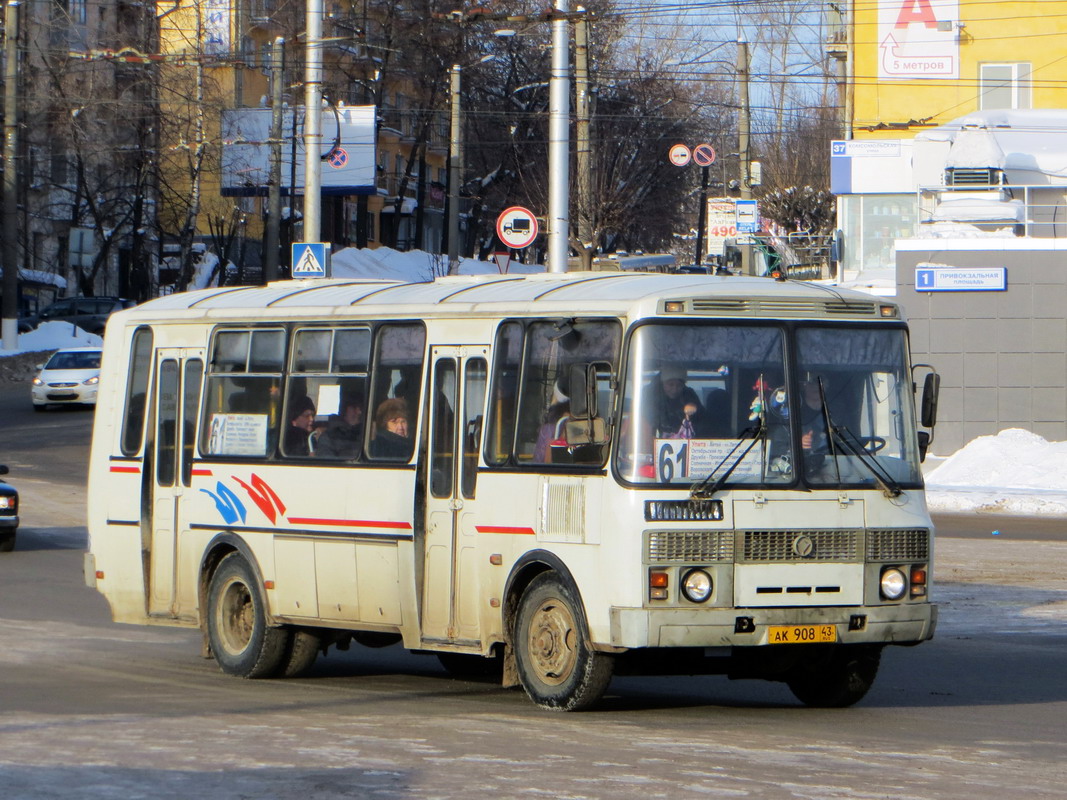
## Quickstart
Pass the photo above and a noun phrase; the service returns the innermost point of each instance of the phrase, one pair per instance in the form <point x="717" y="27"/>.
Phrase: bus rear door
<point x="177" y="400"/>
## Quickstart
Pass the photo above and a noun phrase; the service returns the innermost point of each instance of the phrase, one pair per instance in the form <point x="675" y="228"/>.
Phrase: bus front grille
<point x="778" y="546"/>
<point x="690" y="547"/>
<point x="898" y="545"/>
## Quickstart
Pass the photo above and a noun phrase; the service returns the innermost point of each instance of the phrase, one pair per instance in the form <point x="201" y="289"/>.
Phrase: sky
<point x="1013" y="472"/>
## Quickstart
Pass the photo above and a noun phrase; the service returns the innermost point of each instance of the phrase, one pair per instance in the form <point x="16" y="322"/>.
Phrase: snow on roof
<point x="1031" y="140"/>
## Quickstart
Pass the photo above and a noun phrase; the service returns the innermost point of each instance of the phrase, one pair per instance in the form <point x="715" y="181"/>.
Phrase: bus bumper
<point x="741" y="627"/>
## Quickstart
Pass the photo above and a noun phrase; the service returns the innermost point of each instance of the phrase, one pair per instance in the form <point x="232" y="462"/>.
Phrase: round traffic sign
<point x="679" y="155"/>
<point x="516" y="227"/>
<point x="704" y="155"/>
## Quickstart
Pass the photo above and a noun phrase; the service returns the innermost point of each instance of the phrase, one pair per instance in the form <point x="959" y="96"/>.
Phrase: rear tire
<point x="7" y="542"/>
<point x="838" y="678"/>
<point x="301" y="652"/>
<point x="557" y="667"/>
<point x="242" y="641"/>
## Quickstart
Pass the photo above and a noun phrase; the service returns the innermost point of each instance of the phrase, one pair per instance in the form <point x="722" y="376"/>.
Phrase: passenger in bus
<point x="391" y="438"/>
<point x="298" y="432"/>
<point x="717" y="407"/>
<point x="675" y="411"/>
<point x="552" y="432"/>
<point x="344" y="432"/>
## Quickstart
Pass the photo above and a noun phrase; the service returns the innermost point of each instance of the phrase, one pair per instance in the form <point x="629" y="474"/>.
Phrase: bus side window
<point x="398" y="360"/>
<point x="553" y="347"/>
<point x="137" y="391"/>
<point x="242" y="399"/>
<point x="507" y="356"/>
<point x="328" y="370"/>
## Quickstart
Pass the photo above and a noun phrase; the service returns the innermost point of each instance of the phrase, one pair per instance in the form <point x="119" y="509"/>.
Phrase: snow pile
<point x="53" y="336"/>
<point x="385" y="263"/>
<point x="1015" y="472"/>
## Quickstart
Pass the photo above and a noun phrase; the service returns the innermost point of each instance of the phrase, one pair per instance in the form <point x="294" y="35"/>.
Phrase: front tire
<point x="242" y="641"/>
<point x="557" y="667"/>
<point x="40" y="407"/>
<point x="838" y="678"/>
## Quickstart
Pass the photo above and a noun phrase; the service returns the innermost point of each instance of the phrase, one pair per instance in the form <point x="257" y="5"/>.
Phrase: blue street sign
<point x="747" y="216"/>
<point x="961" y="279"/>
<point x="309" y="260"/>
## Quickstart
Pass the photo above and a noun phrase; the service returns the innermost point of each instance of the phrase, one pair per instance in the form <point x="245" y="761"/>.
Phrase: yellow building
<point x="922" y="63"/>
<point x="218" y="57"/>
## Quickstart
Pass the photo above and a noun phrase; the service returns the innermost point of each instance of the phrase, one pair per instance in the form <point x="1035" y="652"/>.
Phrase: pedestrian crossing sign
<point x="309" y="260"/>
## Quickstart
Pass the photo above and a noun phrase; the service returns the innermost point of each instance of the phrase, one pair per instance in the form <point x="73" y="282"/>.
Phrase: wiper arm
<point x="851" y="444"/>
<point x="707" y="488"/>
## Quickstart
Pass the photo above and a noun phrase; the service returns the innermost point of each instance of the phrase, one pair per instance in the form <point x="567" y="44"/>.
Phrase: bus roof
<point x="544" y="293"/>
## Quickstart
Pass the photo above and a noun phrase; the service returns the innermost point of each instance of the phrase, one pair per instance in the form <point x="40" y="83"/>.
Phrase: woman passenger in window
<point x="391" y="439"/>
<point x="298" y="432"/>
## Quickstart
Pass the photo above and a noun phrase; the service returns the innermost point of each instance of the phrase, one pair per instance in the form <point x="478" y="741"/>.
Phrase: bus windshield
<point x="710" y="403"/>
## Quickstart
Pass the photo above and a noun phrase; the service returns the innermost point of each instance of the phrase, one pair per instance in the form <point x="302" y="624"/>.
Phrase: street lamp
<point x="455" y="163"/>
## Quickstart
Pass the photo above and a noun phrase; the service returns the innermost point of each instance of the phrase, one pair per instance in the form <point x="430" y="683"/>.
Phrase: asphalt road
<point x="91" y="709"/>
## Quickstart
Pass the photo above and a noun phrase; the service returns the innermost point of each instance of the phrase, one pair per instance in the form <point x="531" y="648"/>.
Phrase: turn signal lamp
<point x="888" y="311"/>
<point x="674" y="306"/>
<point x="657" y="585"/>
<point x="918" y="582"/>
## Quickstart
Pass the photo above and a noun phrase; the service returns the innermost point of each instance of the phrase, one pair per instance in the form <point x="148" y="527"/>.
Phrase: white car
<point x="69" y="376"/>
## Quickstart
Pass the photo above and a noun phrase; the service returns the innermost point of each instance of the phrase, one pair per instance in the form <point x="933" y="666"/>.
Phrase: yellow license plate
<point x="801" y="634"/>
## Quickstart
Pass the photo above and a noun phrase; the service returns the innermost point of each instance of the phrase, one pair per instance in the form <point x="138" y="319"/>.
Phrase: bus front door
<point x="177" y="398"/>
<point x="450" y="570"/>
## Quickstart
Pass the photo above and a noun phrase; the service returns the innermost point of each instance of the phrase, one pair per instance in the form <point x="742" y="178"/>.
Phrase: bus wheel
<point x="241" y="640"/>
<point x="301" y="651"/>
<point x="557" y="668"/>
<point x="839" y="678"/>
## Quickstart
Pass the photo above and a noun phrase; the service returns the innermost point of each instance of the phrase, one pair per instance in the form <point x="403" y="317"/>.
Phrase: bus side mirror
<point x="931" y="389"/>
<point x="582" y="384"/>
<point x="924" y="444"/>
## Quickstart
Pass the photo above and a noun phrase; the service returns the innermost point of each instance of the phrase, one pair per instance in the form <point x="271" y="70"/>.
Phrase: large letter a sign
<point x="918" y="39"/>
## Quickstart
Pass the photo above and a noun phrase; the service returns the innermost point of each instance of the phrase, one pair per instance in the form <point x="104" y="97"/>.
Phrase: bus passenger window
<point x="328" y="369"/>
<point x="397" y="370"/>
<point x="507" y="358"/>
<point x="242" y="398"/>
<point x="137" y="388"/>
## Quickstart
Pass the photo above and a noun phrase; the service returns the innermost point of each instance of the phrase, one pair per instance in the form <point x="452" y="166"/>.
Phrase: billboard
<point x="918" y="39"/>
<point x="348" y="151"/>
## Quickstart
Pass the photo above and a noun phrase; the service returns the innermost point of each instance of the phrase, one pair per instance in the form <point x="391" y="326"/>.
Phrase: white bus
<point x="563" y="476"/>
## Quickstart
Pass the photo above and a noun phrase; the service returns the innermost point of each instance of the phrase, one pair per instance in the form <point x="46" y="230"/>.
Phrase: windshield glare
<point x="711" y="402"/>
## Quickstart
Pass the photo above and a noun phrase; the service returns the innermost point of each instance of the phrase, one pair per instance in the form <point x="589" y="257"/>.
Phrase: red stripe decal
<point x="206" y="472"/>
<point x="349" y="523"/>
<point x="134" y="470"/>
<point x="503" y="529"/>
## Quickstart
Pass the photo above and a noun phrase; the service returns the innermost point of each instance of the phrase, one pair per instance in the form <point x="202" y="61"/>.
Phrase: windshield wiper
<point x="851" y="445"/>
<point x="704" y="491"/>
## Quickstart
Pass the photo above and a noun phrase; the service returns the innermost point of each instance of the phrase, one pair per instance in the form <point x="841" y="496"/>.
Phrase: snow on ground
<point x="53" y="336"/>
<point x="414" y="265"/>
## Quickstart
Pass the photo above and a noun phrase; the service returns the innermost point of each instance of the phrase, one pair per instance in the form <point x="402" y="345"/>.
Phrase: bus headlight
<point x="697" y="585"/>
<point x="893" y="584"/>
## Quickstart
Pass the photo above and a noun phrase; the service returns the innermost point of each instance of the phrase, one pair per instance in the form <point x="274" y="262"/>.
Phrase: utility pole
<point x="582" y="144"/>
<point x="274" y="196"/>
<point x="9" y="328"/>
<point x="559" y="143"/>
<point x="744" y="120"/>
<point x="455" y="169"/>
<point x="313" y="125"/>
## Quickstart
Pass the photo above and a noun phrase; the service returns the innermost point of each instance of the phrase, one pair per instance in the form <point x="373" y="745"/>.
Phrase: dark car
<point x="9" y="514"/>
<point x="88" y="313"/>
